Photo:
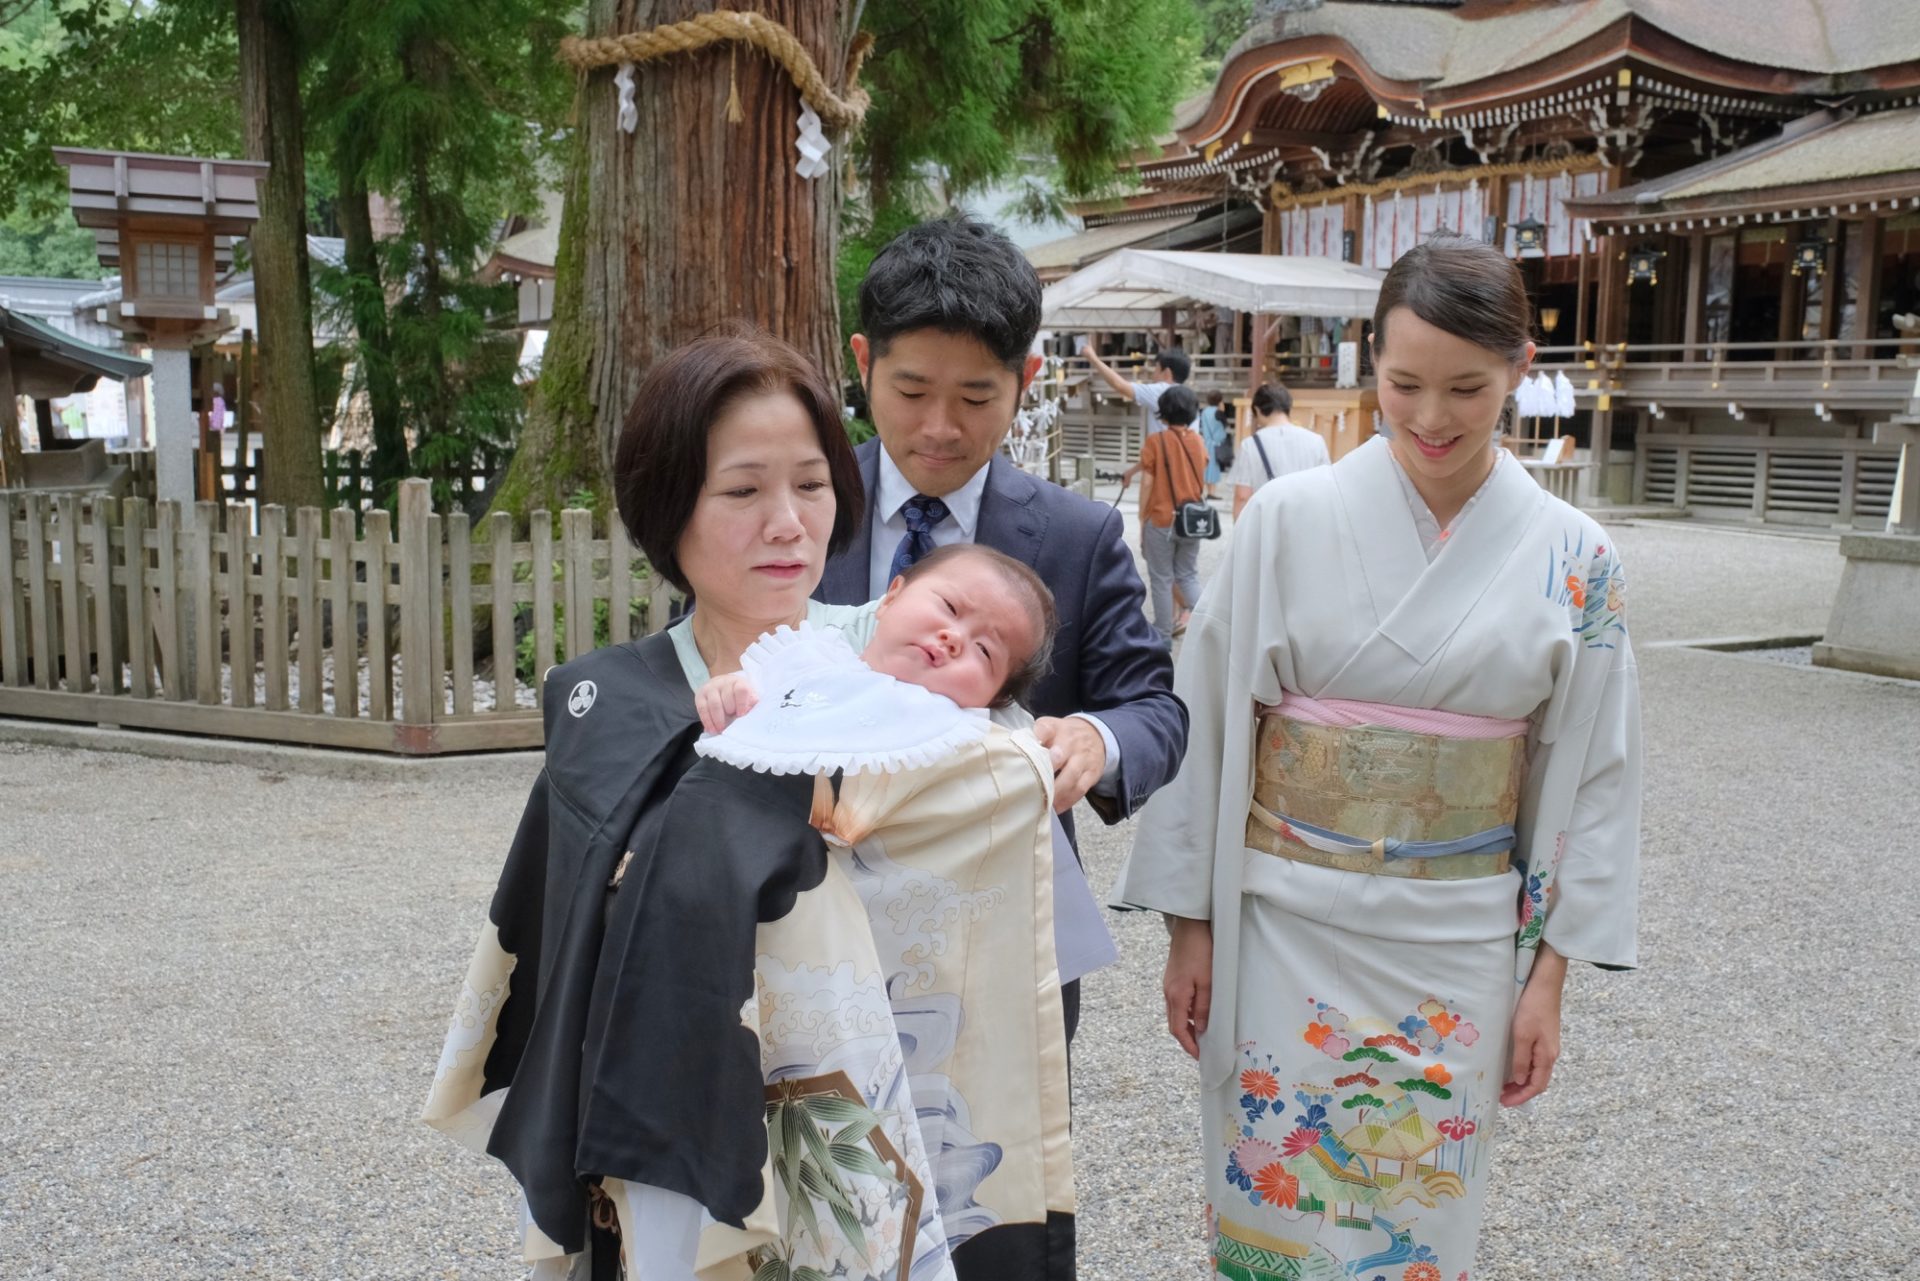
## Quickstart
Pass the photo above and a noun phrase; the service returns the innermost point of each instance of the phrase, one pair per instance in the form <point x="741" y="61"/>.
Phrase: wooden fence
<point x="128" y="613"/>
<point x="346" y="475"/>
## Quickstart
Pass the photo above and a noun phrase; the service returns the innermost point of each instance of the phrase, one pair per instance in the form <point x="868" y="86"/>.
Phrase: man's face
<point x="942" y="404"/>
<point x="1161" y="374"/>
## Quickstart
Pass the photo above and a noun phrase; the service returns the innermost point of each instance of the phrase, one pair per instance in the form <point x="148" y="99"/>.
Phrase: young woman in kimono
<point x="1410" y="798"/>
<point x="601" y="1046"/>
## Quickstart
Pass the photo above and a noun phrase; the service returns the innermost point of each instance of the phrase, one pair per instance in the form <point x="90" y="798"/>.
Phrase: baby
<point x="967" y="622"/>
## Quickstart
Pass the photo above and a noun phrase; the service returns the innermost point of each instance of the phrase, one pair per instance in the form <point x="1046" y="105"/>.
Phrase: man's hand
<point x="724" y="700"/>
<point x="1188" y="985"/>
<point x="1536" y="1030"/>
<point x="1079" y="757"/>
<point x="1116" y="380"/>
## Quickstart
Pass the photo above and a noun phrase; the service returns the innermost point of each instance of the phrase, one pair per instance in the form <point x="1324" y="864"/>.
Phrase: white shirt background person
<point x="1288" y="448"/>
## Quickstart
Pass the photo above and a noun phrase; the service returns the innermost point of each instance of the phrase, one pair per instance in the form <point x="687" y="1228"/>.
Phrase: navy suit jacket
<point x="1107" y="660"/>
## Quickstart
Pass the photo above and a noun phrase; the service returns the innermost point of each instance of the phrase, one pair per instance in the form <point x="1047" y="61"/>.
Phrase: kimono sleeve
<point x="1592" y="891"/>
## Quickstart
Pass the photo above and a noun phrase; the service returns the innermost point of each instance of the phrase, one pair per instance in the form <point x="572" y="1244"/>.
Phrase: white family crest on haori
<point x="821" y="709"/>
<point x="580" y="701"/>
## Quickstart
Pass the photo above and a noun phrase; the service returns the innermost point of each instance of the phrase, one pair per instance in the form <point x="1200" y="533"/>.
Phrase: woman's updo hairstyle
<point x="1462" y="286"/>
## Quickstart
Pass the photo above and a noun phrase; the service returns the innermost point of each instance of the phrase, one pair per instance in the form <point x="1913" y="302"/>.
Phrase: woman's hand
<point x="1536" y="1029"/>
<point x="1189" y="982"/>
<point x="724" y="700"/>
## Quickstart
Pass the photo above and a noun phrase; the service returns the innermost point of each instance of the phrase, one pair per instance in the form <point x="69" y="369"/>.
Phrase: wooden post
<point x="13" y="631"/>
<point x="208" y="437"/>
<point x="1833" y="286"/>
<point x="239" y="605"/>
<point x="436" y="615"/>
<point x="1696" y="294"/>
<point x="72" y="604"/>
<point x="106" y="656"/>
<point x="306" y="594"/>
<point x="576" y="530"/>
<point x="204" y="681"/>
<point x="500" y="600"/>
<point x="133" y="531"/>
<point x="39" y="599"/>
<point x="541" y="523"/>
<point x="346" y="622"/>
<point x="620" y="577"/>
<point x="1607" y="333"/>
<point x="378" y="547"/>
<point x="11" y="464"/>
<point x="273" y="603"/>
<point x="1582" y="297"/>
<point x="1866" y="309"/>
<point x="460" y="613"/>
<point x="416" y="631"/>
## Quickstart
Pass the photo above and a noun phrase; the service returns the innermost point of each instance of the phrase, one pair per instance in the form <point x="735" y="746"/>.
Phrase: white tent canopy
<point x="1129" y="289"/>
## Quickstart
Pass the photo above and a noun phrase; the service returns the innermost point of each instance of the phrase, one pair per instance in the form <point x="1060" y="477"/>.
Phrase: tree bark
<point x="686" y="223"/>
<point x="369" y="305"/>
<point x="270" y="107"/>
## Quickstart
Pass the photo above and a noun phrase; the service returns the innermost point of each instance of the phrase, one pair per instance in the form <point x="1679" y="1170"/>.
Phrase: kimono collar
<point x="1420" y="605"/>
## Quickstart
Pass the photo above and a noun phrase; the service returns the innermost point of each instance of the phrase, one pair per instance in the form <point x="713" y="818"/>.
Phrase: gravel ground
<point x="228" y="986"/>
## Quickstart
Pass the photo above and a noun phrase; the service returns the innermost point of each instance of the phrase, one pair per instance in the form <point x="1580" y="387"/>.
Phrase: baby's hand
<point x="724" y="700"/>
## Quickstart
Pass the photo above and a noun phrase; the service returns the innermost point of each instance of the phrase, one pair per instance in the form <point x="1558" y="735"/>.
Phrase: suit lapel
<point x="846" y="579"/>
<point x="1010" y="521"/>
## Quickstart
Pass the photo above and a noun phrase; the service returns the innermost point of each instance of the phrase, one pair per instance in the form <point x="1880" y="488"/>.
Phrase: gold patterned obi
<point x="1388" y="802"/>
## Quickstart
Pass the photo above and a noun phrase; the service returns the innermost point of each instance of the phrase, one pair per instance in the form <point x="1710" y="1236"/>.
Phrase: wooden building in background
<point x="1715" y="207"/>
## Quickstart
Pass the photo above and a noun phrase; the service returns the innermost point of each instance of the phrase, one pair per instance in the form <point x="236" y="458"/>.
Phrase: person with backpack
<point x="1275" y="448"/>
<point x="1174" y="512"/>
<point x="1216" y="433"/>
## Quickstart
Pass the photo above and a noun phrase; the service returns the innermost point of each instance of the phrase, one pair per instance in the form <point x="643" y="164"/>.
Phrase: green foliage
<point x="41" y="246"/>
<point x="114" y="74"/>
<point x="976" y="86"/>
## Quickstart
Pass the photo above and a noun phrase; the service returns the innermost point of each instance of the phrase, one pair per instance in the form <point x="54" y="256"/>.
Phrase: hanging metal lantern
<point x="1810" y="255"/>
<point x="1644" y="264"/>
<point x="1530" y="238"/>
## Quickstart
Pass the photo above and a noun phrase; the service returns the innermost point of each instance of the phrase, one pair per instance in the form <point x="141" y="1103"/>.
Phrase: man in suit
<point x="948" y="314"/>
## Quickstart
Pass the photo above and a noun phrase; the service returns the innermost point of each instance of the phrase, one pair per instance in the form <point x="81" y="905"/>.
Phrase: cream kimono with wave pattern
<point x="1328" y="590"/>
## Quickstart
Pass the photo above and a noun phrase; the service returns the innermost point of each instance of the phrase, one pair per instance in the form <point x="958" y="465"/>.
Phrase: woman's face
<point x="756" y="544"/>
<point x="1441" y="395"/>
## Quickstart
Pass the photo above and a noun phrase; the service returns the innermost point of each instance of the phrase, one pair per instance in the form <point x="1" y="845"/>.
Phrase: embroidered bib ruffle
<point x="821" y="709"/>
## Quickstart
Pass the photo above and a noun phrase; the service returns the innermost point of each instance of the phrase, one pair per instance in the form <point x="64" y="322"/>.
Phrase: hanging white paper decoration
<point x="812" y="145"/>
<point x="629" y="114"/>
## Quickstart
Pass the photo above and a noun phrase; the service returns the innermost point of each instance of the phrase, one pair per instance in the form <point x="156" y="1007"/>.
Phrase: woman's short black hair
<point x="1178" y="406"/>
<point x="1272" y="398"/>
<point x="1176" y="362"/>
<point x="660" y="462"/>
<point x="956" y="275"/>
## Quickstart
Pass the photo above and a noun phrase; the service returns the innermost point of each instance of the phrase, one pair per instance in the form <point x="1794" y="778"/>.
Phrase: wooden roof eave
<point x="1803" y="200"/>
<point x="1252" y="75"/>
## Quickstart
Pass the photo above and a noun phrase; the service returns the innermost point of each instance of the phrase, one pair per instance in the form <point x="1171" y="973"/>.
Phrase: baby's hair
<point x="1215" y="398"/>
<point x="1034" y="595"/>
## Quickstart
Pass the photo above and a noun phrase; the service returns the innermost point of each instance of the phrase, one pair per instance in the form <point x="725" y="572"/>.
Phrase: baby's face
<point x="958" y="630"/>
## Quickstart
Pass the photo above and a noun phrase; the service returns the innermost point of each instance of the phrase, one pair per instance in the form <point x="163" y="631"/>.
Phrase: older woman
<point x="735" y="476"/>
<point x="1411" y="798"/>
<point x="679" y="983"/>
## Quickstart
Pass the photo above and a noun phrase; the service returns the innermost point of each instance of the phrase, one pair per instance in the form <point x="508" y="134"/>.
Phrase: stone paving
<point x="228" y="984"/>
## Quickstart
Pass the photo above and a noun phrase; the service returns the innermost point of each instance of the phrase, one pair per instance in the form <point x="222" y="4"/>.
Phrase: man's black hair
<point x="959" y="276"/>
<point x="1175" y="362"/>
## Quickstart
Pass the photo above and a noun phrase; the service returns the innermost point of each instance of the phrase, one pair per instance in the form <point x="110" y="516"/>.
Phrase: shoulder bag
<point x="1196" y="519"/>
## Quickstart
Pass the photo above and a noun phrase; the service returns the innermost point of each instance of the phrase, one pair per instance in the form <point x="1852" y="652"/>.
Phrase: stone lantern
<point x="168" y="224"/>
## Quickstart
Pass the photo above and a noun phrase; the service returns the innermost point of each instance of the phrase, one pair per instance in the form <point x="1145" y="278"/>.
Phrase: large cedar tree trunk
<point x="683" y="224"/>
<point x="369" y="307"/>
<point x="270" y="108"/>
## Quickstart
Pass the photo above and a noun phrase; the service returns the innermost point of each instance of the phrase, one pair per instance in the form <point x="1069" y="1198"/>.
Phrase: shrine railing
<point x="349" y="630"/>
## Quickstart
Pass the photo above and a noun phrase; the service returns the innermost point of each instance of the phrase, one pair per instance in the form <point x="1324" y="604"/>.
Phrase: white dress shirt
<point x="963" y="519"/>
